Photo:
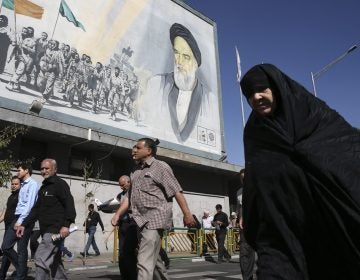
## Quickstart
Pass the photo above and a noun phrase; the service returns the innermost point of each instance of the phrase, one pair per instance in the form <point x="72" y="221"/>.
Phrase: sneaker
<point x="70" y="258"/>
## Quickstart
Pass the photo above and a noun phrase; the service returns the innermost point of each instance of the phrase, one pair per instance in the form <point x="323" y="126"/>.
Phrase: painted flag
<point x="238" y="65"/>
<point x="65" y="11"/>
<point x="24" y="7"/>
<point x="238" y="79"/>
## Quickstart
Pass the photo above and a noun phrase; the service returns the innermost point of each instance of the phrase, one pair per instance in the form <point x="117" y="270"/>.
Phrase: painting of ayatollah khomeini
<point x="185" y="99"/>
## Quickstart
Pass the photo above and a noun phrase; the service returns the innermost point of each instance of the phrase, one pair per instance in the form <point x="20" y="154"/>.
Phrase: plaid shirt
<point x="153" y="187"/>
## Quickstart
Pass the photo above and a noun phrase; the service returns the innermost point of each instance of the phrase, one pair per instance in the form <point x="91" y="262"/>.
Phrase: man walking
<point x="55" y="210"/>
<point x="27" y="197"/>
<point x="220" y="222"/>
<point x="90" y="224"/>
<point x="153" y="188"/>
<point x="8" y="217"/>
<point x="128" y="239"/>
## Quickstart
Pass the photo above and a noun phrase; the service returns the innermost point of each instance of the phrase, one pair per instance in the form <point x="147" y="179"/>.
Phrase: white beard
<point x="184" y="80"/>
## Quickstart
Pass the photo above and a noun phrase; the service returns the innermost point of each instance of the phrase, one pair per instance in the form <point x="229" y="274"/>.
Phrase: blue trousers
<point x="19" y="258"/>
<point x="91" y="240"/>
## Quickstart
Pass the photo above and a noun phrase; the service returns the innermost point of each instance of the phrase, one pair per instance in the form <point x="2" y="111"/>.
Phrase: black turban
<point x="179" y="30"/>
<point x="255" y="80"/>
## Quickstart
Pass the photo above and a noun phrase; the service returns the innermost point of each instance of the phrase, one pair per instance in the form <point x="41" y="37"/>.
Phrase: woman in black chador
<point x="302" y="182"/>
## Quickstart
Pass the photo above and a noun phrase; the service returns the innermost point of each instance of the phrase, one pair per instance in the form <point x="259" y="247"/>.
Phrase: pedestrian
<point x="26" y="199"/>
<point x="65" y="251"/>
<point x="246" y="253"/>
<point x="234" y="221"/>
<point x="150" y="199"/>
<point x="220" y="222"/>
<point x="301" y="199"/>
<point x="206" y="223"/>
<point x="8" y="216"/>
<point x="127" y="234"/>
<point x="55" y="211"/>
<point x="93" y="218"/>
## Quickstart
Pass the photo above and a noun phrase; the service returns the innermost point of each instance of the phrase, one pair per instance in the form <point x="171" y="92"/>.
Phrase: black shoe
<point x="97" y="254"/>
<point x="83" y="254"/>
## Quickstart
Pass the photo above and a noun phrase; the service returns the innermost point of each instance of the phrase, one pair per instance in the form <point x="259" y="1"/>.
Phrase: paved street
<point x="178" y="270"/>
<point x="103" y="268"/>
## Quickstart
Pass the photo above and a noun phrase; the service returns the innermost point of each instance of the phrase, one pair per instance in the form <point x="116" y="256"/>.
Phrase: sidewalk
<point x="91" y="262"/>
<point x="105" y="260"/>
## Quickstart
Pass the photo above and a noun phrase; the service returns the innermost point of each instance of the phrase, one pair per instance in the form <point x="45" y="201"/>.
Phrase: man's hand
<point x="16" y="226"/>
<point x="114" y="220"/>
<point x="64" y="232"/>
<point x="189" y="220"/>
<point x="20" y="231"/>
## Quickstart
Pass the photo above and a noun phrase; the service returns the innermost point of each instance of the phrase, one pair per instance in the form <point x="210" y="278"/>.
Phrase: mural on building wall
<point x="146" y="67"/>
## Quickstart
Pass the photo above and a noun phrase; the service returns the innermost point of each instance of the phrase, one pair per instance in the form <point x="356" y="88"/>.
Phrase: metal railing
<point x="182" y="242"/>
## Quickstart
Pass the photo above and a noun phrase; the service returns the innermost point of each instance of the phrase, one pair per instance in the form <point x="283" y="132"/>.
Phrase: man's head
<point x="30" y="32"/>
<point x="44" y="35"/>
<point x="24" y="171"/>
<point x="124" y="182"/>
<point x="15" y="183"/>
<point x="187" y="57"/>
<point x="218" y="207"/>
<point x="99" y="66"/>
<point x="66" y="49"/>
<point x="117" y="71"/>
<point x="53" y="44"/>
<point x="3" y="21"/>
<point x="48" y="168"/>
<point x="24" y="32"/>
<point x="144" y="149"/>
<point x="259" y="91"/>
<point x="91" y="207"/>
<point x="206" y="213"/>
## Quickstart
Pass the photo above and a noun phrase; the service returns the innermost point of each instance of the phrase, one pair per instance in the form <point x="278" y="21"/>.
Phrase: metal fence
<point x="183" y="242"/>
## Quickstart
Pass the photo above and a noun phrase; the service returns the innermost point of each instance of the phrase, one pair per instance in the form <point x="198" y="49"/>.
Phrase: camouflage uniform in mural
<point x="105" y="89"/>
<point x="95" y="86"/>
<point x="51" y="65"/>
<point x="24" y="59"/>
<point x="114" y="96"/>
<point x="75" y="81"/>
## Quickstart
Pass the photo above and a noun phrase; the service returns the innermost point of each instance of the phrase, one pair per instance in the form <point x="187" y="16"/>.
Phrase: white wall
<point x="107" y="190"/>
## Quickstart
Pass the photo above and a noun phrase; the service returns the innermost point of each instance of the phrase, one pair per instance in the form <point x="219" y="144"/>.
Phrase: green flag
<point x="65" y="11"/>
<point x="8" y="4"/>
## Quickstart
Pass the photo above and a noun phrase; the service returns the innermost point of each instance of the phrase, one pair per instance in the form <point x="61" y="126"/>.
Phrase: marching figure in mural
<point x="184" y="98"/>
<point x="6" y="39"/>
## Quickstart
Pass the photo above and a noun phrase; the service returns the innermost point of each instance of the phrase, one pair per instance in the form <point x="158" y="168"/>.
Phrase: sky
<point x="299" y="37"/>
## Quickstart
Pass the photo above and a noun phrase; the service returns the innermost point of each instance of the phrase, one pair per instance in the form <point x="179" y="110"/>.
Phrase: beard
<point x="184" y="80"/>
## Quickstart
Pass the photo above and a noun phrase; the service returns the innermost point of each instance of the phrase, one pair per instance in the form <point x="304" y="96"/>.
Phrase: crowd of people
<point x="41" y="64"/>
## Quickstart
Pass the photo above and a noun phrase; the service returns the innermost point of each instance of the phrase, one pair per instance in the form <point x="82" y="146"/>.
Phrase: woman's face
<point x="263" y="102"/>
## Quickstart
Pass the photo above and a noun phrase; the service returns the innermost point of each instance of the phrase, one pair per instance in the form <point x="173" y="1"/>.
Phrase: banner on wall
<point x="125" y="67"/>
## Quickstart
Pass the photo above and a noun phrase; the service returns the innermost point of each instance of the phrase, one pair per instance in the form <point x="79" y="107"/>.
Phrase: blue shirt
<point x="27" y="198"/>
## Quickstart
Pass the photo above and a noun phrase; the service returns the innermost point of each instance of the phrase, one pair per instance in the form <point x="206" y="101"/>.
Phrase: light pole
<point x="329" y="65"/>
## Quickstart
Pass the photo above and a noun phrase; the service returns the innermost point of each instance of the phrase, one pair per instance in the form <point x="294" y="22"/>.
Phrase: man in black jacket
<point x="90" y="224"/>
<point x="55" y="210"/>
<point x="8" y="217"/>
<point x="220" y="222"/>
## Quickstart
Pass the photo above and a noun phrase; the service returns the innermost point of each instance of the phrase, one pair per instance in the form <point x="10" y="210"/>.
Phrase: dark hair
<point x="15" y="177"/>
<point x="151" y="144"/>
<point x="25" y="166"/>
<point x="91" y="206"/>
<point x="218" y="206"/>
